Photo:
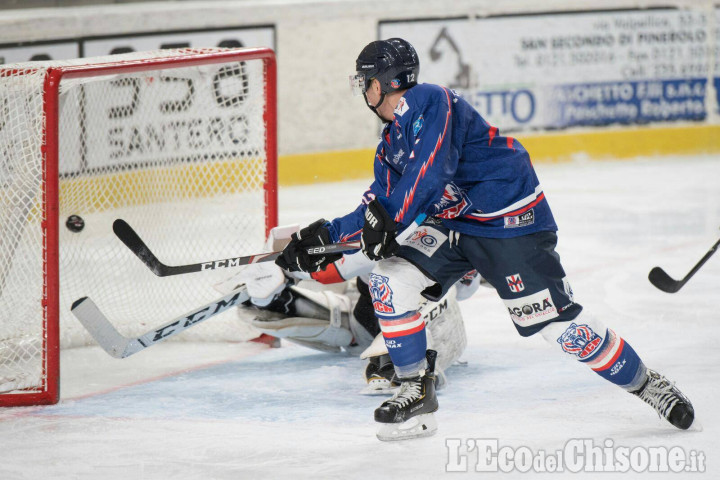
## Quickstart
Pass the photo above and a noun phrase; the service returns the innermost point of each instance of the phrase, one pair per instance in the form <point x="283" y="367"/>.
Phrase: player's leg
<point x="527" y="273"/>
<point x="396" y="286"/>
<point x="445" y="333"/>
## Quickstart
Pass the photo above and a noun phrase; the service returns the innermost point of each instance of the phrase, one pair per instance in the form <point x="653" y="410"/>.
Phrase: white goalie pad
<point x="279" y="237"/>
<point x="445" y="331"/>
<point x="263" y="280"/>
<point x="325" y="323"/>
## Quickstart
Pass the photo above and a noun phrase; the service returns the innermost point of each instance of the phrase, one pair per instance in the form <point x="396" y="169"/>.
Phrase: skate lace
<point x="659" y="394"/>
<point x="409" y="391"/>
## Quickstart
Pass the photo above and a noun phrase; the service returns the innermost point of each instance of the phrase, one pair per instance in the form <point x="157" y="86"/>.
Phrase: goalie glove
<point x="379" y="232"/>
<point x="295" y="258"/>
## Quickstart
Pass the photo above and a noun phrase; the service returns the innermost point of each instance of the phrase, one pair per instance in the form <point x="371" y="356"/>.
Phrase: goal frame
<point x="50" y="389"/>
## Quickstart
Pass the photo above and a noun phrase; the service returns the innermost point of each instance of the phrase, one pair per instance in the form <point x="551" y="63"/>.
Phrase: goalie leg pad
<point x="323" y="321"/>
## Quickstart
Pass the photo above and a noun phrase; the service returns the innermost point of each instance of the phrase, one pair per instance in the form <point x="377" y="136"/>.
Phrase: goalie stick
<point x="133" y="241"/>
<point x="666" y="283"/>
<point x="119" y="346"/>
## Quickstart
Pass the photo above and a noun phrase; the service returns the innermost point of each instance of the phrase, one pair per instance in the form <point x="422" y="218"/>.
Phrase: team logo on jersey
<point x="381" y="294"/>
<point x="522" y="220"/>
<point x="580" y="340"/>
<point x="401" y="107"/>
<point x="453" y="203"/>
<point x="515" y="283"/>
<point x="417" y="126"/>
<point x="426" y="239"/>
<point x="532" y="309"/>
<point x="395" y="83"/>
<point x="423" y="237"/>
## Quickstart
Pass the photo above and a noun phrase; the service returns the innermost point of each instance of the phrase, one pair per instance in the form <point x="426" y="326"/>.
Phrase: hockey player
<point x="487" y="211"/>
<point x="326" y="312"/>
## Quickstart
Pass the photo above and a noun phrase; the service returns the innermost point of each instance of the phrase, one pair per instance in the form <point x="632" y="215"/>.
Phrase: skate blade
<point x="695" y="427"/>
<point x="374" y="390"/>
<point x="417" y="427"/>
<point x="379" y="387"/>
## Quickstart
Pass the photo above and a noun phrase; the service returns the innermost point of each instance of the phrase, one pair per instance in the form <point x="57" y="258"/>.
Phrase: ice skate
<point x="667" y="400"/>
<point x="409" y="413"/>
<point x="380" y="376"/>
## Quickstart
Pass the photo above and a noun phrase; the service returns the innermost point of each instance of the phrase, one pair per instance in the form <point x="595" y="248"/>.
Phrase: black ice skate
<point x="380" y="376"/>
<point x="667" y="400"/>
<point x="409" y="413"/>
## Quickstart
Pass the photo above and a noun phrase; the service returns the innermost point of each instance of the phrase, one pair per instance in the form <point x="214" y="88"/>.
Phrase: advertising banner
<point x="560" y="70"/>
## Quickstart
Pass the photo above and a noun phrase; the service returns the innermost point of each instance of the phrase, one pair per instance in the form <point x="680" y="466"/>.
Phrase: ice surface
<point x="236" y="411"/>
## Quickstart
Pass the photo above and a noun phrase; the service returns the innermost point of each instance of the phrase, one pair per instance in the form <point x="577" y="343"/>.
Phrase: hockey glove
<point x="295" y="257"/>
<point x="378" y="233"/>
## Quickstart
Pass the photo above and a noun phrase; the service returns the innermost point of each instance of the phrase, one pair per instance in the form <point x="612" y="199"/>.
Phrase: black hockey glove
<point x="378" y="233"/>
<point x="295" y="257"/>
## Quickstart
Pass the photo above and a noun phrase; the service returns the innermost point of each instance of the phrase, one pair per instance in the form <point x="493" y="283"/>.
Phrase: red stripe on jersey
<point x="347" y="237"/>
<point x="509" y="214"/>
<point x="510" y="143"/>
<point x="492" y="133"/>
<point x="410" y="195"/>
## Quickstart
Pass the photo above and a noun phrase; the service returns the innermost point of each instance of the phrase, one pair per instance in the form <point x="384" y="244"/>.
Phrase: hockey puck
<point x="75" y="223"/>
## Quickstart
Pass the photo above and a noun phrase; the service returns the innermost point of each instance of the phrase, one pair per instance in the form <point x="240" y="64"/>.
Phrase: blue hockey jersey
<point x="440" y="157"/>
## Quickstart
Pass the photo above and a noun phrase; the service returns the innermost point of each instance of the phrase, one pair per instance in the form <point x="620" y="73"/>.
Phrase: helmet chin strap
<point x="374" y="108"/>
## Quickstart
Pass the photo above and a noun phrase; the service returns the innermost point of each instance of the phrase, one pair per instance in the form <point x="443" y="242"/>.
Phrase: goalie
<point x="332" y="311"/>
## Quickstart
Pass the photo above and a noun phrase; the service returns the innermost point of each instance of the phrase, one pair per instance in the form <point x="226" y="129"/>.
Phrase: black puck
<point x="75" y="223"/>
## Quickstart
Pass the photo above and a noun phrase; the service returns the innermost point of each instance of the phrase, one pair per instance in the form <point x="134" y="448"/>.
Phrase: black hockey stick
<point x="119" y="346"/>
<point x="664" y="282"/>
<point x="133" y="241"/>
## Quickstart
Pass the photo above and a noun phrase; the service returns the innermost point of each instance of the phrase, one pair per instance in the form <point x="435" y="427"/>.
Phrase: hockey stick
<point x="133" y="241"/>
<point x="119" y="346"/>
<point x="664" y="282"/>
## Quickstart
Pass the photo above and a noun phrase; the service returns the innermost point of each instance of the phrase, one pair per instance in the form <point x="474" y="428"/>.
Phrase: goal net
<point x="179" y="143"/>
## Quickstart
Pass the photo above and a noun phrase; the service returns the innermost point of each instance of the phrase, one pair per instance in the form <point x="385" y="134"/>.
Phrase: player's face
<point x="374" y="94"/>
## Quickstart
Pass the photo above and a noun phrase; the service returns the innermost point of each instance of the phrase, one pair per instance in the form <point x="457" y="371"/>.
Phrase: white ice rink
<point x="243" y="411"/>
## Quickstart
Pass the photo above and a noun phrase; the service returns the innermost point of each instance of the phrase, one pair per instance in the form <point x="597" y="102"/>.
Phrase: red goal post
<point x="181" y="143"/>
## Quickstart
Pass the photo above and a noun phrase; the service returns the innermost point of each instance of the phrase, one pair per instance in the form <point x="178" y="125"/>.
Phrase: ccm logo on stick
<point x="228" y="262"/>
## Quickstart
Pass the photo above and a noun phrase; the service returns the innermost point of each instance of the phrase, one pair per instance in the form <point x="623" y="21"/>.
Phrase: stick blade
<point x="132" y="240"/>
<point x="99" y="327"/>
<point x="663" y="281"/>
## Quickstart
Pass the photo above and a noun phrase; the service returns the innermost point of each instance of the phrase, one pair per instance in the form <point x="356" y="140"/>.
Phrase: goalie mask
<point x="393" y="62"/>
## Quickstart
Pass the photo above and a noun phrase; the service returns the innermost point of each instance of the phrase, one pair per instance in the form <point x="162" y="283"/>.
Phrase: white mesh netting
<point x="178" y="153"/>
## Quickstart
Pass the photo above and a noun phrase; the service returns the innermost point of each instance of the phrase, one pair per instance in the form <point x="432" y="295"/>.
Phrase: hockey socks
<point x="601" y="349"/>
<point x="406" y="342"/>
